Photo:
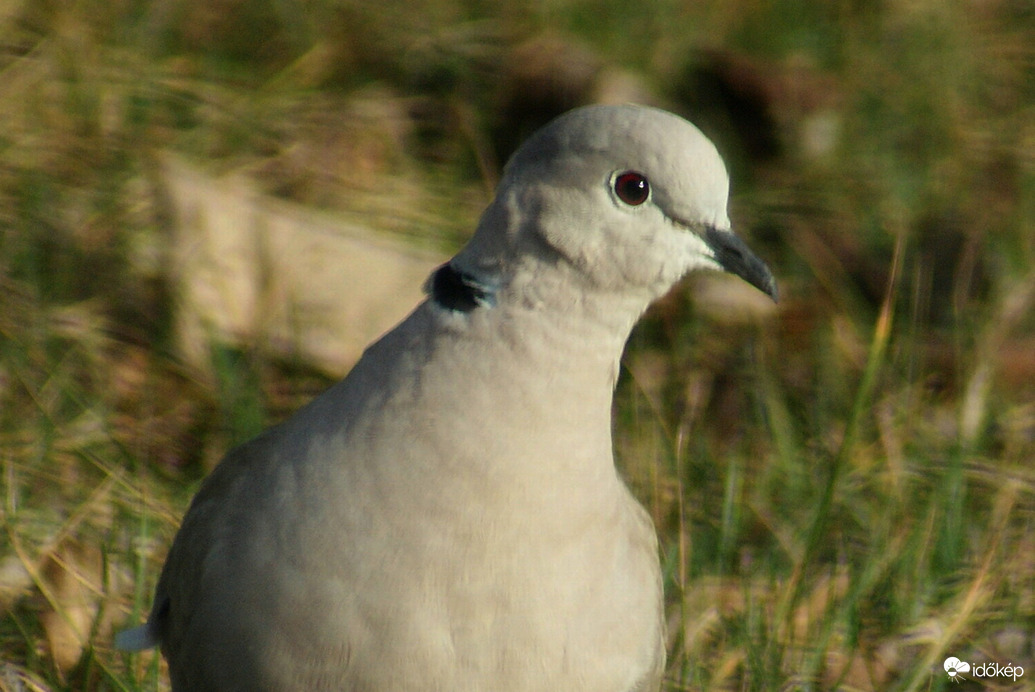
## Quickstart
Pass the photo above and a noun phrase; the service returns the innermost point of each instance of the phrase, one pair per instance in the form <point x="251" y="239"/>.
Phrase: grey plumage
<point x="449" y="517"/>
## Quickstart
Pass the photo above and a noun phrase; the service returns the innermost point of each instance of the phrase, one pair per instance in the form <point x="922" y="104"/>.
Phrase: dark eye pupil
<point x="632" y="188"/>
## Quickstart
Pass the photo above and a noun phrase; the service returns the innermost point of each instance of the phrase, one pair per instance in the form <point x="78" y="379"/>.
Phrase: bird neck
<point x="555" y="355"/>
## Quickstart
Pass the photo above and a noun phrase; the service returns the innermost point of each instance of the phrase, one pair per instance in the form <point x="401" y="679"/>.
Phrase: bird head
<point x="623" y="197"/>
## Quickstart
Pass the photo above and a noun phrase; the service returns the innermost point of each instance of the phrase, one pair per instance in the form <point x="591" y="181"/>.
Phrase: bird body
<point x="449" y="516"/>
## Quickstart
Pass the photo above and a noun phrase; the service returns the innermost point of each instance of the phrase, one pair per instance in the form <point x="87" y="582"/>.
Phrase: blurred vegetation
<point x="843" y="486"/>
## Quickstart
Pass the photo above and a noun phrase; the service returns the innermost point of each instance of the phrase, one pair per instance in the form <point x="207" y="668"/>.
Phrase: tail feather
<point x="137" y="639"/>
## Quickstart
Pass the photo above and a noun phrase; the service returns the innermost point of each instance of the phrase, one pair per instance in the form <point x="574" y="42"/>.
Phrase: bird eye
<point x="631" y="187"/>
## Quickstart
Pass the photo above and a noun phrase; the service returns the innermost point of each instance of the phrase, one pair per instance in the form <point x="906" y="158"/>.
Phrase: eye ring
<point x="631" y="187"/>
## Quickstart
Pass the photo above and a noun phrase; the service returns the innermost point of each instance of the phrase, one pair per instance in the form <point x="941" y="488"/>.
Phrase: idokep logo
<point x="956" y="669"/>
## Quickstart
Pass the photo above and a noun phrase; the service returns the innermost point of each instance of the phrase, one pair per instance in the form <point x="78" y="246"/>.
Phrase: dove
<point x="449" y="516"/>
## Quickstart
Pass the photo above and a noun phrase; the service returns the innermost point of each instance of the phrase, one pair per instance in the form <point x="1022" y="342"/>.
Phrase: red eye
<point x="632" y="188"/>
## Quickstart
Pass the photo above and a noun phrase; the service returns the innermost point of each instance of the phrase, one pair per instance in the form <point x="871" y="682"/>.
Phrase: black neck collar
<point x="455" y="290"/>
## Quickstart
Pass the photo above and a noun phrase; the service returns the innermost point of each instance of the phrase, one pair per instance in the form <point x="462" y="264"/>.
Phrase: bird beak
<point x="733" y="256"/>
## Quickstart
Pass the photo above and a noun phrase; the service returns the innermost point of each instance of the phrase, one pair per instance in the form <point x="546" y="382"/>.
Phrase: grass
<point x="843" y="487"/>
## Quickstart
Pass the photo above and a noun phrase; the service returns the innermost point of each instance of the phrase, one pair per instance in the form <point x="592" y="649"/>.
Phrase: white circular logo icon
<point x="955" y="668"/>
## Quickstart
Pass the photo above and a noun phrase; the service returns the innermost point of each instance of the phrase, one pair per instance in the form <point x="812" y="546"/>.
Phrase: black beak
<point x="734" y="256"/>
